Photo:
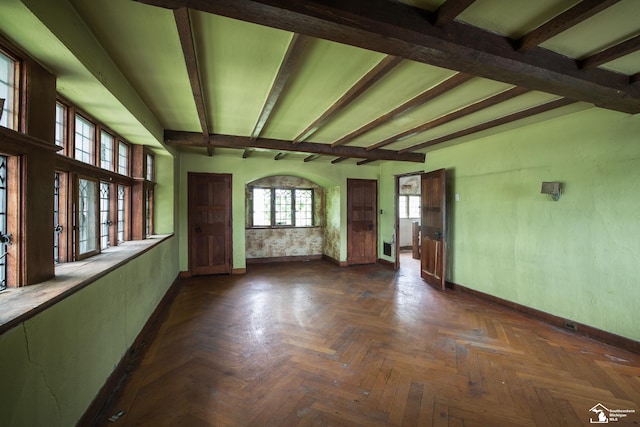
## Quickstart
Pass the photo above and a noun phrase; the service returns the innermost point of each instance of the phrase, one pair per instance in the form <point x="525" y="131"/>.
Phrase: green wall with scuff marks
<point x="576" y="258"/>
<point x="53" y="365"/>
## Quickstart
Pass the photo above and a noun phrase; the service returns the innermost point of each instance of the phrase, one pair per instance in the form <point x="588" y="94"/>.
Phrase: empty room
<point x="359" y="213"/>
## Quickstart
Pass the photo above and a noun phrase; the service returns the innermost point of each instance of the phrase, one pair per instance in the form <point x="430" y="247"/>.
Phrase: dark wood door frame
<point x="397" y="215"/>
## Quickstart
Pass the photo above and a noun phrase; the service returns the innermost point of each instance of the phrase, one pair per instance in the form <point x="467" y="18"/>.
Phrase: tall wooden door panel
<point x="433" y="239"/>
<point x="362" y="221"/>
<point x="209" y="223"/>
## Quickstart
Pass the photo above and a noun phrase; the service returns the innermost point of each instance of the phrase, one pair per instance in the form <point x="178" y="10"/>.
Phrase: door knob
<point x="438" y="235"/>
<point x="370" y="226"/>
<point x="198" y="230"/>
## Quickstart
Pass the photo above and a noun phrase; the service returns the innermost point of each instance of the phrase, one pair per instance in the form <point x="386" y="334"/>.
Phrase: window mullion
<point x="293" y="207"/>
<point x="273" y="207"/>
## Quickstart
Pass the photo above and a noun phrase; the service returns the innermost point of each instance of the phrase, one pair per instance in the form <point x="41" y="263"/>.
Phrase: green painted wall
<point x="246" y="170"/>
<point x="576" y="258"/>
<point x="54" y="364"/>
<point x="165" y="195"/>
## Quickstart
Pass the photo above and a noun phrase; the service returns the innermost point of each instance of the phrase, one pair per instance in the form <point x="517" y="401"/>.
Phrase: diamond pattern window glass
<point x="105" y="220"/>
<point x="87" y="219"/>
<point x="121" y="208"/>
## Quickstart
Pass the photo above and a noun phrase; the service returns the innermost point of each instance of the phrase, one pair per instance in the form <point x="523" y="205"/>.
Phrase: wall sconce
<point x="552" y="188"/>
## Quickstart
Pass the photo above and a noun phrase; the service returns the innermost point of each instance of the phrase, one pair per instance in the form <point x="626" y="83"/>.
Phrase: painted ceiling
<point x="359" y="82"/>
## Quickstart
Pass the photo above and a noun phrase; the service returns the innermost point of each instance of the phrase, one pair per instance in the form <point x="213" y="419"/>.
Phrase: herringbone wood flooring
<point x="313" y="344"/>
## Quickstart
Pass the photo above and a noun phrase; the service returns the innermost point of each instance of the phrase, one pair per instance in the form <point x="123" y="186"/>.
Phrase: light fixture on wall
<point x="552" y="188"/>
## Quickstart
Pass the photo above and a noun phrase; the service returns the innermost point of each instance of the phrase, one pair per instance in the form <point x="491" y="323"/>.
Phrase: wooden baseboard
<point x="239" y="271"/>
<point x="386" y="263"/>
<point x="335" y="261"/>
<point x="581" y="329"/>
<point x="185" y="274"/>
<point x="130" y="360"/>
<point x="283" y="259"/>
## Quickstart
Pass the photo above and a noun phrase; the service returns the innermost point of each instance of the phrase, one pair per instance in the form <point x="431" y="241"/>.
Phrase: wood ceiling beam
<point x="185" y="33"/>
<point x="398" y="29"/>
<point x="368" y="80"/>
<point x="311" y="158"/>
<point x="194" y="139"/>
<point x="450" y="9"/>
<point x="477" y="106"/>
<point x="364" y="162"/>
<point x="246" y="154"/>
<point x="338" y="160"/>
<point x="280" y="156"/>
<point x="421" y="99"/>
<point x="552" y="105"/>
<point x="291" y="56"/>
<point x="567" y="19"/>
<point x="614" y="52"/>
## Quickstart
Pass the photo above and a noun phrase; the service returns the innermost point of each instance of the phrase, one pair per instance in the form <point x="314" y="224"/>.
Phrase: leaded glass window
<point x="261" y="207"/>
<point x="8" y="88"/>
<point x="304" y="208"/>
<point x="106" y="151"/>
<point x="105" y="220"/>
<point x="121" y="210"/>
<point x="61" y="125"/>
<point x="282" y="207"/>
<point x="123" y="158"/>
<point x="282" y="203"/>
<point x="87" y="218"/>
<point x="84" y="140"/>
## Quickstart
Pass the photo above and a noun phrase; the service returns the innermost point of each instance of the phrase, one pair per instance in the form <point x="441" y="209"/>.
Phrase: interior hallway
<point x="310" y="343"/>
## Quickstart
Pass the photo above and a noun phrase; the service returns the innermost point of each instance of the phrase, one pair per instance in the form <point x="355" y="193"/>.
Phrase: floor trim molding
<point x="129" y="361"/>
<point x="294" y="258"/>
<point x="580" y="329"/>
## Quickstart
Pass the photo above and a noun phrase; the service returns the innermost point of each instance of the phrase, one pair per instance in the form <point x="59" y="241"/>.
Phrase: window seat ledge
<point x="20" y="304"/>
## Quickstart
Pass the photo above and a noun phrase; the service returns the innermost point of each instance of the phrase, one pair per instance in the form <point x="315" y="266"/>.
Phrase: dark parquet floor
<point x="313" y="344"/>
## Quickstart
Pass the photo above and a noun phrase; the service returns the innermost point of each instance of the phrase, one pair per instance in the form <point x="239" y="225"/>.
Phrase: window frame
<point x="292" y="207"/>
<point x="99" y="162"/>
<point x="76" y="214"/>
<point x="407" y="206"/>
<point x="13" y="106"/>
<point x="92" y="141"/>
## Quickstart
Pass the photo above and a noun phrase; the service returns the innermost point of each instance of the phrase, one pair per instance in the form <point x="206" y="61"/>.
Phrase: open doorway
<point x="407" y="223"/>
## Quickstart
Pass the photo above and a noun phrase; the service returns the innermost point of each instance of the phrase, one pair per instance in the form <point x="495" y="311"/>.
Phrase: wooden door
<point x="209" y="223"/>
<point x="433" y="227"/>
<point x="362" y="221"/>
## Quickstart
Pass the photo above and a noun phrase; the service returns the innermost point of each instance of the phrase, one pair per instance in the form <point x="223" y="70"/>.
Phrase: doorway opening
<point x="407" y="222"/>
